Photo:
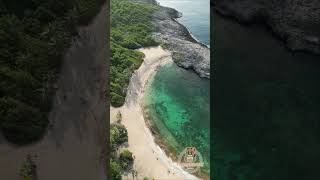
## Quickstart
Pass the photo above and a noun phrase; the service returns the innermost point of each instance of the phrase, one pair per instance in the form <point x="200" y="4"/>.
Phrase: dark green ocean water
<point x="266" y="107"/>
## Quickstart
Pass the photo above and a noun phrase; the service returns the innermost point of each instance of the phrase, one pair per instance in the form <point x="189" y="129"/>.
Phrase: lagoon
<point x="178" y="100"/>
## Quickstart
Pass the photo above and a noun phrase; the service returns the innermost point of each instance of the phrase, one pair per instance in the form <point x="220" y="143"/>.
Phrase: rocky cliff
<point x="296" y="22"/>
<point x="187" y="52"/>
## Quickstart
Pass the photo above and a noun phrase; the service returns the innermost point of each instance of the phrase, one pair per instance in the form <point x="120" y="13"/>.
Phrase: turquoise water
<point x="195" y="16"/>
<point x="178" y="102"/>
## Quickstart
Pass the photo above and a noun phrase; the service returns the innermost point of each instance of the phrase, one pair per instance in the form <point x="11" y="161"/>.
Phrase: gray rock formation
<point x="296" y="22"/>
<point x="187" y="52"/>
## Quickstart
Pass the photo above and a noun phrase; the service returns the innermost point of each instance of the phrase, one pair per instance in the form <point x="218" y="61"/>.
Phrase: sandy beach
<point x="150" y="160"/>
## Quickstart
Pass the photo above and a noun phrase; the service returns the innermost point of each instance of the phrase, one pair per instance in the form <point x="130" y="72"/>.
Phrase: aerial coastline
<point x="150" y="160"/>
<point x="177" y="45"/>
<point x="188" y="52"/>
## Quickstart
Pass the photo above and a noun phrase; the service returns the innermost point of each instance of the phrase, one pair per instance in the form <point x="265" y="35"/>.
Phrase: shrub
<point x="86" y="9"/>
<point x="125" y="159"/>
<point x="118" y="135"/>
<point x="116" y="99"/>
<point x="119" y="117"/>
<point x="19" y="122"/>
<point x="28" y="170"/>
<point x="115" y="170"/>
<point x="177" y="57"/>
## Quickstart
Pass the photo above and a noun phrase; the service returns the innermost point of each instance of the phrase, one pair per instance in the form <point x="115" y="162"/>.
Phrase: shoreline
<point x="176" y="19"/>
<point x="190" y="33"/>
<point x="178" y="38"/>
<point x="168" y="149"/>
<point x="196" y="58"/>
<point x="188" y="36"/>
<point x="150" y="159"/>
<point x="296" y="38"/>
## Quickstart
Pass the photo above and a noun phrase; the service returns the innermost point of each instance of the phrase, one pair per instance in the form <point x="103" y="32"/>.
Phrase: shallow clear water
<point x="178" y="102"/>
<point x="195" y="16"/>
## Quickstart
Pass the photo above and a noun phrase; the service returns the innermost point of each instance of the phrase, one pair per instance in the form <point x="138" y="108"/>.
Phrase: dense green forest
<point x="34" y="35"/>
<point x="131" y="29"/>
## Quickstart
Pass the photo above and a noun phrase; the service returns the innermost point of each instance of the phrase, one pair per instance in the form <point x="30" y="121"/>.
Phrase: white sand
<point x="150" y="160"/>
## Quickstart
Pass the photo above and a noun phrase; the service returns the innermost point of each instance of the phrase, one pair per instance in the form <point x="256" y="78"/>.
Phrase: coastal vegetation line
<point x="34" y="37"/>
<point x="131" y="28"/>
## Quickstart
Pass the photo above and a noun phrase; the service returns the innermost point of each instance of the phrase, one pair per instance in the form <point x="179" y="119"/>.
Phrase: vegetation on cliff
<point x="34" y="35"/>
<point x="131" y="29"/>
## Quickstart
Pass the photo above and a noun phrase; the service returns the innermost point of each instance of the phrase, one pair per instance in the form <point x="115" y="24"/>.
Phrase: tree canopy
<point x="34" y="35"/>
<point x="119" y="163"/>
<point x="131" y="27"/>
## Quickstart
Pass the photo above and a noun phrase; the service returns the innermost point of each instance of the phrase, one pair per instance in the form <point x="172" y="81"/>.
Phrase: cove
<point x="178" y="103"/>
<point x="178" y="100"/>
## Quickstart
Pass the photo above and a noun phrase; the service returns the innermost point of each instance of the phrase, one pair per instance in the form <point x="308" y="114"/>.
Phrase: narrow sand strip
<point x="150" y="160"/>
